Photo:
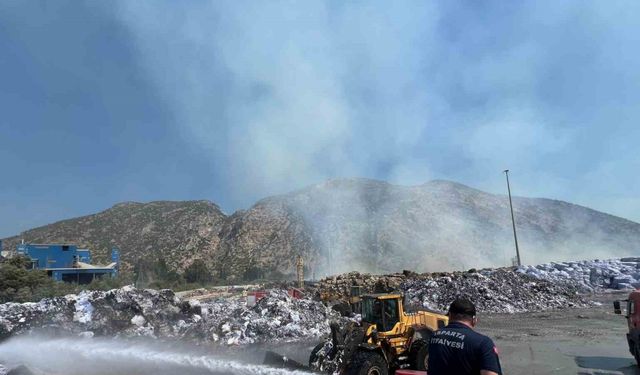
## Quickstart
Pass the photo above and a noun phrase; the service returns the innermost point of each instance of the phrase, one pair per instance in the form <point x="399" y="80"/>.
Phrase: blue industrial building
<point x="65" y="262"/>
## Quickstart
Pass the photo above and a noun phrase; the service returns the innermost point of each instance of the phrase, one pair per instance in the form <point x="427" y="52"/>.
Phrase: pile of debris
<point x="126" y="311"/>
<point x="277" y="317"/>
<point x="49" y="312"/>
<point x="492" y="290"/>
<point x="590" y="275"/>
<point x="339" y="286"/>
<point x="500" y="290"/>
<point x="133" y="312"/>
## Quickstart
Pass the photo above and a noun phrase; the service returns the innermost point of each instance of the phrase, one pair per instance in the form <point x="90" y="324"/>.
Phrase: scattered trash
<point x="501" y="291"/>
<point x="590" y="275"/>
<point x="132" y="312"/>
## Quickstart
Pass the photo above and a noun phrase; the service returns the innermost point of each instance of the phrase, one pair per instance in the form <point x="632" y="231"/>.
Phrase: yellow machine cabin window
<point x="383" y="313"/>
<point x="390" y="314"/>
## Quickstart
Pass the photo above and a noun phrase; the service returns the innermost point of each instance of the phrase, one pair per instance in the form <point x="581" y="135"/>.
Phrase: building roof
<point x="50" y="244"/>
<point x="81" y="270"/>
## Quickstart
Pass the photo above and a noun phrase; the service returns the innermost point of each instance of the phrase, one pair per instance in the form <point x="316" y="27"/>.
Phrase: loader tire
<point x="367" y="363"/>
<point x="419" y="355"/>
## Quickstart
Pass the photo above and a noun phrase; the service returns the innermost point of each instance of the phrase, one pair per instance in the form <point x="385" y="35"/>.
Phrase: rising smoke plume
<point x="283" y="95"/>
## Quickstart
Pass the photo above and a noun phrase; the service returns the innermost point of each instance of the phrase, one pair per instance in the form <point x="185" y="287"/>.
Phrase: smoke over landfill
<point x="344" y="225"/>
<point x="372" y="226"/>
<point x="310" y="170"/>
<point x="277" y="97"/>
<point x="399" y="93"/>
<point x="286" y="96"/>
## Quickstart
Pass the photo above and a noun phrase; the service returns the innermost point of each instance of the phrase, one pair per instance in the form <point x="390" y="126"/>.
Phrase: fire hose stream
<point x="115" y="356"/>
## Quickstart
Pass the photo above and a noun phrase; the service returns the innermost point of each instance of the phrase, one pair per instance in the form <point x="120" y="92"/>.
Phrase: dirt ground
<point x="572" y="341"/>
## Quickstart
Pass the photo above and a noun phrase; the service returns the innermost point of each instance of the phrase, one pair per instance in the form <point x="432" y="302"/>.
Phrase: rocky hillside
<point x="352" y="224"/>
<point x="374" y="226"/>
<point x="177" y="231"/>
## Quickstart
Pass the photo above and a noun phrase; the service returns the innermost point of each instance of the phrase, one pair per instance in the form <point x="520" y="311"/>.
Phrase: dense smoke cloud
<point x="284" y="94"/>
<point x="234" y="102"/>
<point x="290" y="95"/>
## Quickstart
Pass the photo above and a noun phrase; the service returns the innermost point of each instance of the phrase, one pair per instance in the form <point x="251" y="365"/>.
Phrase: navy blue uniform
<point x="459" y="350"/>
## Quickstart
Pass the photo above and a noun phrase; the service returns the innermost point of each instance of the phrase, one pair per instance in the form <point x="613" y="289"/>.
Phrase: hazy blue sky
<point x="102" y="102"/>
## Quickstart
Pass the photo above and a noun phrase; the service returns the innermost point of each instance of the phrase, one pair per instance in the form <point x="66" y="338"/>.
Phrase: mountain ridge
<point x="345" y="224"/>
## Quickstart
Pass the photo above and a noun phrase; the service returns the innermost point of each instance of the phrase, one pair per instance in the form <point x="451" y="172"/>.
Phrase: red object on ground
<point x="295" y="293"/>
<point x="253" y="297"/>
<point x="410" y="372"/>
<point x="258" y="294"/>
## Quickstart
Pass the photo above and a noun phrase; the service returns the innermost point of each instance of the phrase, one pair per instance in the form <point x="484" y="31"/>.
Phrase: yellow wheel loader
<point x="387" y="338"/>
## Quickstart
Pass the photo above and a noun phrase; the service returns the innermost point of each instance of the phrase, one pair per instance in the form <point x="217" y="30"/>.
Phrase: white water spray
<point x="114" y="356"/>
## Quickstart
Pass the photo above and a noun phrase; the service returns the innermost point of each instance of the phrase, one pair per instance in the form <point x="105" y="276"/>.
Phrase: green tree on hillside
<point x="197" y="272"/>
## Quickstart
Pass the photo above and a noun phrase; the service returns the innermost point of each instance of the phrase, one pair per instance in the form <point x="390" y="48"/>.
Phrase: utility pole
<point x="513" y="220"/>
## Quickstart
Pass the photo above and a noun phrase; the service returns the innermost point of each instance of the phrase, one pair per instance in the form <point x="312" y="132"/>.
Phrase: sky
<point x="104" y="102"/>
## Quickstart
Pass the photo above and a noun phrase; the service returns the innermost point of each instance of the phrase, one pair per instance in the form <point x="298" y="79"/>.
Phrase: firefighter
<point x="458" y="349"/>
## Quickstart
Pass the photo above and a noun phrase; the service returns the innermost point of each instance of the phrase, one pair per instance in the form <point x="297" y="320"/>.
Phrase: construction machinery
<point x="388" y="338"/>
<point x="632" y="314"/>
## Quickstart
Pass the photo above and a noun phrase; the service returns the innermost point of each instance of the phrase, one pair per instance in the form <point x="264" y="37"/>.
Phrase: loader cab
<point x="382" y="310"/>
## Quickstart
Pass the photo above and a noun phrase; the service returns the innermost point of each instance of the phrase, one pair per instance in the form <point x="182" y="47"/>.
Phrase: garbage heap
<point x="277" y="317"/>
<point x="492" y="290"/>
<point x="131" y="312"/>
<point x="497" y="291"/>
<point x="590" y="275"/>
<point x="339" y="286"/>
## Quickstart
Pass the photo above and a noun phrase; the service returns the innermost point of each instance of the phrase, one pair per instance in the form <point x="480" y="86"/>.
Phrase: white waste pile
<point x="16" y="317"/>
<point x="276" y="317"/>
<point x="500" y="290"/>
<point x="590" y="275"/>
<point x="130" y="312"/>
